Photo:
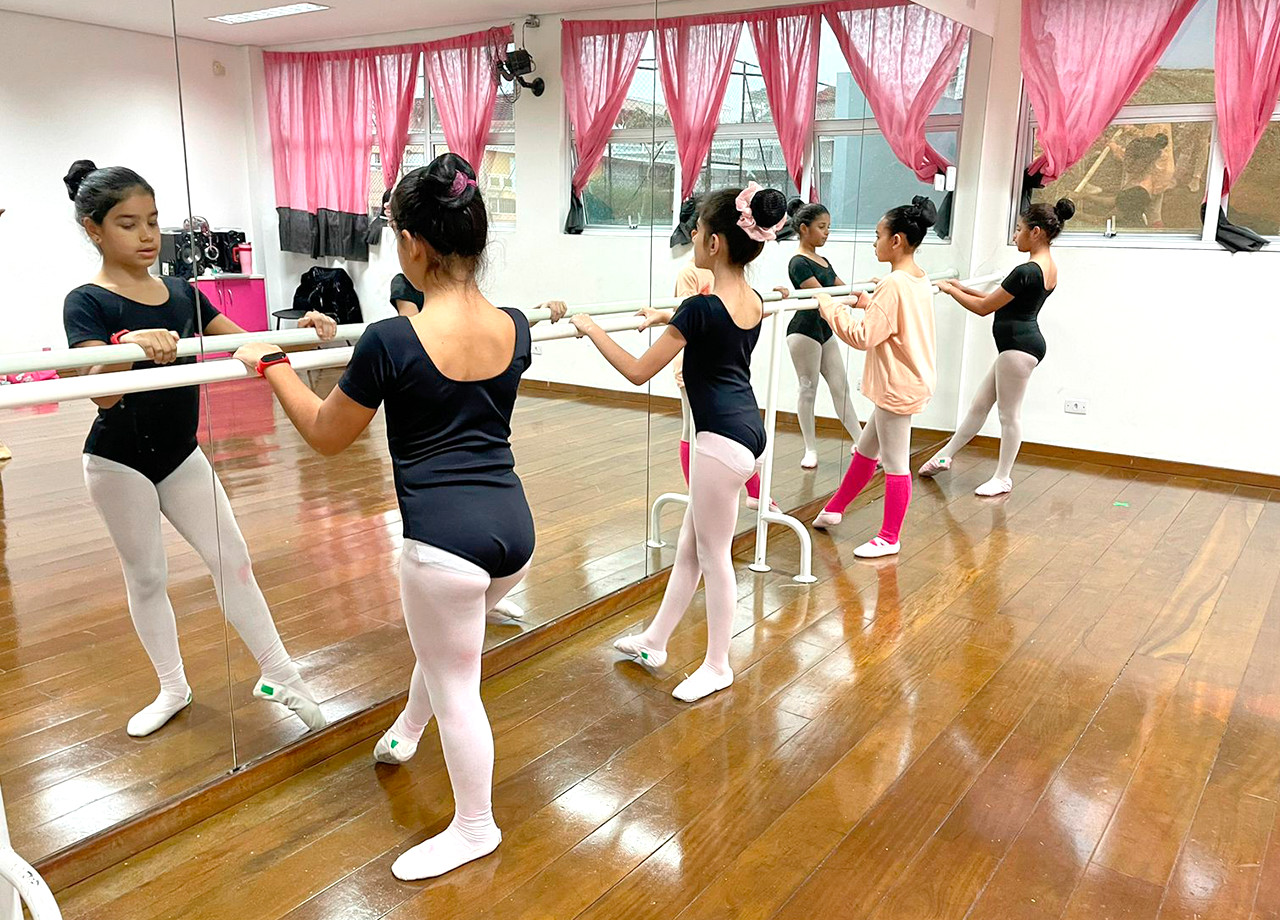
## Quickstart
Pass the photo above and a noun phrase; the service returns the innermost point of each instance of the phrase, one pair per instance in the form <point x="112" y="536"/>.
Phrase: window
<point x="636" y="184"/>
<point x="496" y="174"/>
<point x="1151" y="170"/>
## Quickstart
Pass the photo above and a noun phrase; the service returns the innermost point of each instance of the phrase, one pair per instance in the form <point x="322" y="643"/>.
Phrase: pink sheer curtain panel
<point x="1247" y="78"/>
<point x="787" y="48"/>
<point x="465" y="89"/>
<point x="902" y="57"/>
<point x="394" y="77"/>
<point x="695" y="55"/>
<point x="1082" y="61"/>
<point x="598" y="63"/>
<point x="319" y="104"/>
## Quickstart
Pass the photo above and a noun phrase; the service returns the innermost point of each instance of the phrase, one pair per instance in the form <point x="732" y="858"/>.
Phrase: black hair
<point x="1049" y="217"/>
<point x="1142" y="154"/>
<point x="913" y="220"/>
<point x="805" y="215"/>
<point x="720" y="212"/>
<point x="441" y="204"/>
<point x="96" y="191"/>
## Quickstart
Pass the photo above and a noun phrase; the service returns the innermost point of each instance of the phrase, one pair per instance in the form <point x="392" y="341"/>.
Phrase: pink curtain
<point x="597" y="64"/>
<point x="695" y="54"/>
<point x="465" y="88"/>
<point x="1246" y="76"/>
<point x="393" y="74"/>
<point x="902" y="57"/>
<point x="787" y="48"/>
<point x="1082" y="61"/>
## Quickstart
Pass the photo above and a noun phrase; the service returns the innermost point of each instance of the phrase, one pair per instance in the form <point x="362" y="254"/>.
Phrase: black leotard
<point x="401" y="289"/>
<point x="151" y="432"/>
<point x="1016" y="327"/>
<point x="717" y="371"/>
<point x="808" y="322"/>
<point x="450" y="444"/>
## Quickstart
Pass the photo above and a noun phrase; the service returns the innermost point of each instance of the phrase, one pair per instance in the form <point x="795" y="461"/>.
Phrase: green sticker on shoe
<point x="1120" y="504"/>
<point x="394" y="743"/>
<point x="644" y="655"/>
<point x="268" y="690"/>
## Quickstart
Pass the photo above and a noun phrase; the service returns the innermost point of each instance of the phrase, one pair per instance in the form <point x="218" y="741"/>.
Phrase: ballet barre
<point x="75" y="358"/>
<point x="20" y="883"/>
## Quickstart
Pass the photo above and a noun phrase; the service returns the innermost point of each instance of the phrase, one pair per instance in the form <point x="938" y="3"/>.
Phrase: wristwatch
<point x="115" y="338"/>
<point x="267" y="361"/>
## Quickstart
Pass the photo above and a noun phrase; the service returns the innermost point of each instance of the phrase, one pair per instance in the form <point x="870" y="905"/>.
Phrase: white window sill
<point x="1138" y="241"/>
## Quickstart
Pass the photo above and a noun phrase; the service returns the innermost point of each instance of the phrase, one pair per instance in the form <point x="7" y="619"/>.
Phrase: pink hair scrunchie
<point x="748" y="221"/>
<point x="460" y="182"/>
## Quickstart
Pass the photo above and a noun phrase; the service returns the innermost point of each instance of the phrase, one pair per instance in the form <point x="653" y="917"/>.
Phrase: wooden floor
<point x="324" y="534"/>
<point x="1061" y="704"/>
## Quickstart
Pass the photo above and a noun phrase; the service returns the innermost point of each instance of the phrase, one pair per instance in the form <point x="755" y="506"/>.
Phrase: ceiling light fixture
<point x="293" y="9"/>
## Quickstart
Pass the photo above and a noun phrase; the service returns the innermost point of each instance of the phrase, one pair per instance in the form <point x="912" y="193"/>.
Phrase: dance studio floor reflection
<point x="1061" y="704"/>
<point x="324" y="534"/>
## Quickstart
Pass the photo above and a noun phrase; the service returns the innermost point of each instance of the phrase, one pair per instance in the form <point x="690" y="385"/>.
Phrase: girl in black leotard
<point x="1016" y="305"/>
<point x="141" y="461"/>
<point x="717" y="333"/>
<point x="809" y="339"/>
<point x="448" y="377"/>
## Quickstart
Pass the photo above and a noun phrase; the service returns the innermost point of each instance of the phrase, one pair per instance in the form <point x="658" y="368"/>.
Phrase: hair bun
<point x="793" y="206"/>
<point x="924" y="210"/>
<point x="444" y="173"/>
<point x="78" y="172"/>
<point x="1162" y="141"/>
<point x="1065" y="209"/>
<point x="768" y="207"/>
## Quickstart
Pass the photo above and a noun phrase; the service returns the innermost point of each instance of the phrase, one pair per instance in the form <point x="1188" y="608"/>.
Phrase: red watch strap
<point x="115" y="339"/>
<point x="263" y="364"/>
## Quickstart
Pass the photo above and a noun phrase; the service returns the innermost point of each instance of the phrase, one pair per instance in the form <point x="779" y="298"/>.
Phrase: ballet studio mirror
<point x="102" y="600"/>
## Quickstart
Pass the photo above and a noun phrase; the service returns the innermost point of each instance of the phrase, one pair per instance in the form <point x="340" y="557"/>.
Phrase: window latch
<point x="1111" y="228"/>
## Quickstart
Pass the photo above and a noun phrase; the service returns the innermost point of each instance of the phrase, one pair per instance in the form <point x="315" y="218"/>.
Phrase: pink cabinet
<point x="241" y="298"/>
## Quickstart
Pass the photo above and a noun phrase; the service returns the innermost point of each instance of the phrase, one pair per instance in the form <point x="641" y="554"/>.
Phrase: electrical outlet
<point x="1076" y="407"/>
<point x="537" y="349"/>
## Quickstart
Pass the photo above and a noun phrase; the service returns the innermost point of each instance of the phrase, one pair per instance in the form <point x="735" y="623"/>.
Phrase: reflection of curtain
<point x="465" y="88"/>
<point x="1246" y="77"/>
<point x="787" y="48"/>
<point x="598" y="62"/>
<point x="319" y="106"/>
<point x="902" y="57"/>
<point x="394" y="76"/>
<point x="695" y="57"/>
<point x="1082" y="61"/>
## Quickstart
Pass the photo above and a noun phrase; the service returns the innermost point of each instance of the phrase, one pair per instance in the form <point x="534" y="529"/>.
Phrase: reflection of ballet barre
<point x="20" y="883"/>
<point x="72" y="358"/>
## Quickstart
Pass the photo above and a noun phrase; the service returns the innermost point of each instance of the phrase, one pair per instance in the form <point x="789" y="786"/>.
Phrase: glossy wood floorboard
<point x="324" y="535"/>
<point x="1060" y="704"/>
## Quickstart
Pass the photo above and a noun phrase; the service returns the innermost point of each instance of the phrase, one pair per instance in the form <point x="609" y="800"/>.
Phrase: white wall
<point x="1175" y="350"/>
<point x="71" y="91"/>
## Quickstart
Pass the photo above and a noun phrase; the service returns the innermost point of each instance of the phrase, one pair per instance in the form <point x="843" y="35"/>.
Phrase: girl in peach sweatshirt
<point x="894" y="326"/>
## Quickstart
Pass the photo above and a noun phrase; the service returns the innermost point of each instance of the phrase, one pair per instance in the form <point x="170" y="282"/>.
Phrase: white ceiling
<point x="344" y="19"/>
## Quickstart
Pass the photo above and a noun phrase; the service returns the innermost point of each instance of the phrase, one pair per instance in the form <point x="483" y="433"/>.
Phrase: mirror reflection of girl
<point x="717" y="333"/>
<point x="448" y="377"/>
<point x="141" y="460"/>
<point x="814" y="351"/>
<point x="692" y="281"/>
<point x="895" y="327"/>
<point x="1016" y="305"/>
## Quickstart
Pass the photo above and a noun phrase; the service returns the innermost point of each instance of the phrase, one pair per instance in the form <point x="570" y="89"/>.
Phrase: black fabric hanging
<point x="682" y="235"/>
<point x="576" y="222"/>
<point x="326" y="233"/>
<point x="1232" y="237"/>
<point x="1029" y="184"/>
<point x="943" y="226"/>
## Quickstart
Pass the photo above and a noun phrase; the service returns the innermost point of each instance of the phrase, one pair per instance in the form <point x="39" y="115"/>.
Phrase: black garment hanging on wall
<point x="326" y="233"/>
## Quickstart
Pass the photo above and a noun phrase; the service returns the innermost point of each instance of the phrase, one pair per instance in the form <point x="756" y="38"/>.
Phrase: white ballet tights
<point x="812" y="360"/>
<point x="193" y="501"/>
<point x="1004" y="387"/>
<point x="445" y="599"/>
<point x="705" y="552"/>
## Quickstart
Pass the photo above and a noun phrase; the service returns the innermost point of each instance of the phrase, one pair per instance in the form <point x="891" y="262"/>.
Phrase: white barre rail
<point x="74" y="358"/>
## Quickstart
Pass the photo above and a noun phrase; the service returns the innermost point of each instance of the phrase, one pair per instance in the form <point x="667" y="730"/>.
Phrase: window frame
<point x="766" y="131"/>
<point x="1183" y="113"/>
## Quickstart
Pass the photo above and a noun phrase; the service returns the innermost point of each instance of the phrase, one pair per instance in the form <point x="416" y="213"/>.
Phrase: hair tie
<point x="460" y="182"/>
<point x="747" y="220"/>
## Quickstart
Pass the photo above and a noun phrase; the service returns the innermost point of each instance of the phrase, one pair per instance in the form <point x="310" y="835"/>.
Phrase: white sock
<point x="503" y="611"/>
<point x="397" y="744"/>
<point x="810" y="460"/>
<point x="634" y="647"/>
<point x="702" y="682"/>
<point x="153" y="717"/>
<point x="994" y="486"/>
<point x="462" y="841"/>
